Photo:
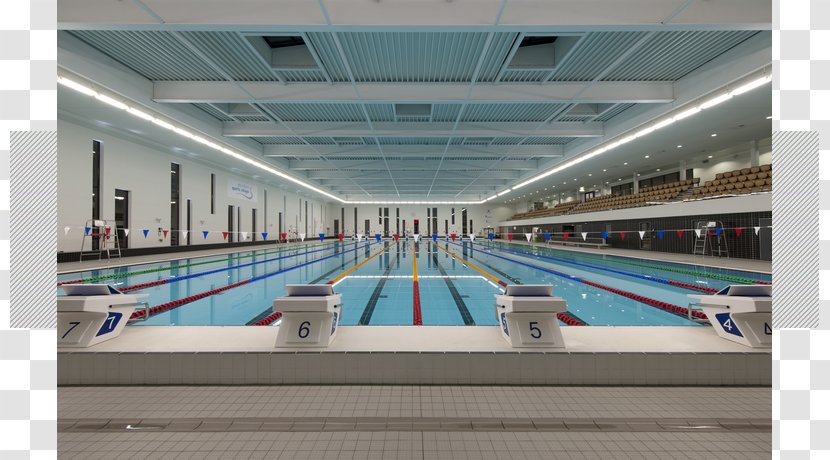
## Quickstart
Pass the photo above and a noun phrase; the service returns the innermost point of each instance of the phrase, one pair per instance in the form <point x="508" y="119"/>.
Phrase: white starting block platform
<point x="310" y="315"/>
<point x="527" y="315"/>
<point x="92" y="313"/>
<point x="740" y="313"/>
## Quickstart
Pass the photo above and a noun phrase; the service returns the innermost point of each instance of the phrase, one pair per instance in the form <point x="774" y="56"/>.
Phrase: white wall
<point x="145" y="172"/>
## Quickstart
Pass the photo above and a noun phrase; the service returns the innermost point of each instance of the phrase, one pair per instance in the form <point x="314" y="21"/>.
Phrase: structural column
<point x="753" y="152"/>
<point x="636" y="184"/>
<point x="682" y="167"/>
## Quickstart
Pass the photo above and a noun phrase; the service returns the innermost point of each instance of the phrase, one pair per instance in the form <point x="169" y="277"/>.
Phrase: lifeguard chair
<point x="106" y="232"/>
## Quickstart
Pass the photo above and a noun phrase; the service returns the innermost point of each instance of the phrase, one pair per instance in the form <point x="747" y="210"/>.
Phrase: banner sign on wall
<point x="241" y="191"/>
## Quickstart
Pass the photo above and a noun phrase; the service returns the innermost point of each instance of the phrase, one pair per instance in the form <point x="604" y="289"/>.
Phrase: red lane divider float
<point x="417" y="319"/>
<point x="269" y="319"/>
<point x="569" y="321"/>
<point x="178" y="303"/>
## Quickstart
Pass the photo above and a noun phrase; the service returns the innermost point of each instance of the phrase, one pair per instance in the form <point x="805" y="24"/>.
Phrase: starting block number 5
<point x="534" y="332"/>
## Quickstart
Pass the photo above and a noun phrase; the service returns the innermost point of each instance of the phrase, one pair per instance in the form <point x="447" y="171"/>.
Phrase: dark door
<point x="230" y="224"/>
<point x="366" y="227"/>
<point x="253" y="224"/>
<point x="336" y="226"/>
<point x="175" y="185"/>
<point x="122" y="216"/>
<point x="188" y="222"/>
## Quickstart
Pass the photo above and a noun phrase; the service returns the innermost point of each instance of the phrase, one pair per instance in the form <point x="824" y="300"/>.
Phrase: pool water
<point x="379" y="287"/>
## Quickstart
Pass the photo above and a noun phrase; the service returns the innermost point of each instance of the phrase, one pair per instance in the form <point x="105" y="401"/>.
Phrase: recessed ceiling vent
<point x="284" y="52"/>
<point x="541" y="51"/>
<point x="413" y="112"/>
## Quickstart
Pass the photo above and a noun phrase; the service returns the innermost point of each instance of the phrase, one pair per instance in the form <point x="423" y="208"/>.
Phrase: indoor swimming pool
<point x="403" y="283"/>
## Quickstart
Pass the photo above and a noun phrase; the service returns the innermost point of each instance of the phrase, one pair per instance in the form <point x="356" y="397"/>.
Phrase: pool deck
<point x="597" y="355"/>
<point x="762" y="266"/>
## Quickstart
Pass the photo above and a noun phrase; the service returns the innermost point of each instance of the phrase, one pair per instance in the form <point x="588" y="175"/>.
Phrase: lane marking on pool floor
<point x="570" y="320"/>
<point x="366" y="317"/>
<point x="339" y="277"/>
<point x="665" y="306"/>
<point x="417" y="319"/>
<point x="456" y="296"/>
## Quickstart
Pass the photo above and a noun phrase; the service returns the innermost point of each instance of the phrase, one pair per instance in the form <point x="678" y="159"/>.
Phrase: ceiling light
<point x="644" y="131"/>
<point x="710" y="156"/>
<point x="664" y="123"/>
<point x="679" y="146"/>
<point x="716" y="100"/>
<point x="163" y="124"/>
<point x="647" y="156"/>
<point x="113" y="102"/>
<point x="604" y="170"/>
<point x="589" y="175"/>
<point x="714" y="134"/>
<point x="140" y="114"/>
<point x="76" y="86"/>
<point x="769" y="117"/>
<point x="752" y="85"/>
<point x="625" y="164"/>
<point x="687" y="113"/>
<point x="658" y="169"/>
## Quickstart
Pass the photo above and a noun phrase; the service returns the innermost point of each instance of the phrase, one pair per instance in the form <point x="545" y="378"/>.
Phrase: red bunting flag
<point x="107" y="231"/>
<point x="509" y="237"/>
<point x="224" y="235"/>
<point x="396" y="236"/>
<point x="452" y="236"/>
<point x="737" y="232"/>
<point x="680" y="233"/>
<point x="282" y="235"/>
<point x="565" y="235"/>
<point x="340" y="236"/>
<point x="622" y="235"/>
<point x="165" y="233"/>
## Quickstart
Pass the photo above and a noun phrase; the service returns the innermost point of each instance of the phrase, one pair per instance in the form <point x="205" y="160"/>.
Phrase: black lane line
<point x="373" y="300"/>
<point x="456" y="296"/>
<point x="267" y="312"/>
<point x="516" y="281"/>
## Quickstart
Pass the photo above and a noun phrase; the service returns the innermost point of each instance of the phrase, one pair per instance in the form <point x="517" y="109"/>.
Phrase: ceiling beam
<point x="280" y="150"/>
<point x="400" y="165"/>
<point x="410" y="129"/>
<point x="421" y="93"/>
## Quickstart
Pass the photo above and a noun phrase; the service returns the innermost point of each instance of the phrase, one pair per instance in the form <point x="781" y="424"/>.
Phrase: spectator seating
<point x="737" y="182"/>
<point x="647" y="196"/>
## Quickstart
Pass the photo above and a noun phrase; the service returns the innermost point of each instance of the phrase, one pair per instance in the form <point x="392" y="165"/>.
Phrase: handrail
<point x="693" y="318"/>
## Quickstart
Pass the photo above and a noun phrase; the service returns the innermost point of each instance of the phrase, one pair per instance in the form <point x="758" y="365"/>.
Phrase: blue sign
<point x="726" y="323"/>
<point x="504" y="324"/>
<point x="110" y="323"/>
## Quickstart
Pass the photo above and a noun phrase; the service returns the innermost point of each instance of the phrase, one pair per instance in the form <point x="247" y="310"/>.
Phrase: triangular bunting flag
<point x="528" y="236"/>
<point x="604" y="235"/>
<point x="679" y="233"/>
<point x="509" y="237"/>
<point x="244" y="235"/>
<point x="126" y="231"/>
<point x="264" y="235"/>
<point x="340" y="236"/>
<point x="738" y="232"/>
<point x="87" y="229"/>
<point x="322" y="236"/>
<point x="660" y="234"/>
<point x="66" y="230"/>
<point x="107" y="231"/>
<point x="453" y="235"/>
<point x="205" y="234"/>
<point x="584" y="236"/>
<point x="165" y="233"/>
<point x="224" y="235"/>
<point x="491" y="236"/>
<point x="396" y="236"/>
<point x="697" y="232"/>
<point x="146" y="232"/>
<point x="622" y="235"/>
<point x="284" y="236"/>
<point x="302" y="236"/>
<point x="472" y="237"/>
<point x="757" y="229"/>
<point x="547" y="236"/>
<point x="642" y="234"/>
<point x="184" y="234"/>
<point x="416" y="236"/>
<point x="718" y="231"/>
<point x="434" y="237"/>
<point x="565" y="235"/>
<point x="377" y="237"/>
<point x="359" y="237"/>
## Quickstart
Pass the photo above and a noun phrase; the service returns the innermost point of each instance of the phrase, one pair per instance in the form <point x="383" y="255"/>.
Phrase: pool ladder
<point x="694" y="319"/>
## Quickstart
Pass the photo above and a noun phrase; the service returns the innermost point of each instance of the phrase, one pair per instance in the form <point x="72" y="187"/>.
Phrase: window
<point x="175" y="185"/>
<point x="96" y="187"/>
<point x="212" y="193"/>
<point x="122" y="216"/>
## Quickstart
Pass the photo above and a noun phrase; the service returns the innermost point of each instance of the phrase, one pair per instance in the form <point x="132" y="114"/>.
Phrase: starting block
<point x="740" y="313"/>
<point x="527" y="316"/>
<point x="310" y="315"/>
<point x="92" y="313"/>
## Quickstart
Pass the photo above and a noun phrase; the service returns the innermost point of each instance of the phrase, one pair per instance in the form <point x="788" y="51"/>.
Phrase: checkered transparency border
<point x="28" y="366"/>
<point x="801" y="357"/>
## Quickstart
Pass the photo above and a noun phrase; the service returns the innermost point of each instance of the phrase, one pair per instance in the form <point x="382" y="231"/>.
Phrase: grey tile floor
<point x="304" y="403"/>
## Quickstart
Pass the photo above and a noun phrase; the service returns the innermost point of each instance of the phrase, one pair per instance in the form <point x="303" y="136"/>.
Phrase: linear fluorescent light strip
<point x="185" y="133"/>
<point x="648" y="130"/>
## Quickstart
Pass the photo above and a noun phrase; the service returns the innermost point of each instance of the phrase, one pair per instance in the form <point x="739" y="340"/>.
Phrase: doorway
<point x="188" y="222"/>
<point x="253" y="224"/>
<point x="230" y="223"/>
<point x="366" y="227"/>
